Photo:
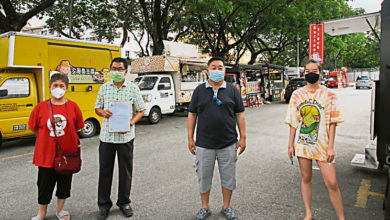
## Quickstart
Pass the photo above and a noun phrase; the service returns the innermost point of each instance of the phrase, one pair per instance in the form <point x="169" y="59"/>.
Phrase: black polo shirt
<point x="216" y="124"/>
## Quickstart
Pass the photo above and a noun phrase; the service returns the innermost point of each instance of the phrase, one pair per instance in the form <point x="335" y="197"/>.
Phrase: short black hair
<point x="119" y="60"/>
<point x="315" y="62"/>
<point x="214" y="59"/>
<point x="59" y="76"/>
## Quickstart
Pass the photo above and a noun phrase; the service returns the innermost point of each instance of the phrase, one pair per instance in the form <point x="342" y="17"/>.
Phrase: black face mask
<point x="312" y="77"/>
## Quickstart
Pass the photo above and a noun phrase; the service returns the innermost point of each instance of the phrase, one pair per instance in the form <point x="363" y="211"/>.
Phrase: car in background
<point x="293" y="85"/>
<point x="363" y="81"/>
<point x="332" y="82"/>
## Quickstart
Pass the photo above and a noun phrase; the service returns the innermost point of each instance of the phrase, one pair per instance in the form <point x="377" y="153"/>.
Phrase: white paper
<point x="120" y="119"/>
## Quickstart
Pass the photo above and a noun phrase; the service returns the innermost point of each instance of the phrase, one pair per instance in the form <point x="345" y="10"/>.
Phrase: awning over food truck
<point x="354" y="24"/>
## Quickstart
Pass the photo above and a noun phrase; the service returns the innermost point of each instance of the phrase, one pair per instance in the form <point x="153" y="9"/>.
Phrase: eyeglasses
<point x="219" y="102"/>
<point x="311" y="70"/>
<point x="117" y="69"/>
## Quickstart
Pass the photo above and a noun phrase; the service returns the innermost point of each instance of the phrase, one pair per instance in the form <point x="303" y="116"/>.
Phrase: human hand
<point x="291" y="152"/>
<point x="330" y="155"/>
<point x="191" y="146"/>
<point x="242" y="145"/>
<point x="107" y="113"/>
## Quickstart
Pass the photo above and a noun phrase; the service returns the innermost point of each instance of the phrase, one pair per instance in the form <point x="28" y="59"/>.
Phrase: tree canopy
<point x="269" y="30"/>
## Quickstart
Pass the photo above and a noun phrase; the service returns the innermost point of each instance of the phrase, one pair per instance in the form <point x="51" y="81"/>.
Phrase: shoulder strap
<point x="74" y="121"/>
<point x="52" y="123"/>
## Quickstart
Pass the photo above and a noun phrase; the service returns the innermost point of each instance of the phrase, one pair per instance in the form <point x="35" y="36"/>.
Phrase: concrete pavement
<point x="165" y="183"/>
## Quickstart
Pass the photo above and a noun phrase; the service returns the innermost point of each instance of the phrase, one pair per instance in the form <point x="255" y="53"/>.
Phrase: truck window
<point x="137" y="80"/>
<point x="166" y="82"/>
<point x="148" y="82"/>
<point x="17" y="88"/>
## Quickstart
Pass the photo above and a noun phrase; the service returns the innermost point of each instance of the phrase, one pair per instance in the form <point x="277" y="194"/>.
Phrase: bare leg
<point x="42" y="211"/>
<point x="205" y="199"/>
<point x="227" y="195"/>
<point x="329" y="174"/>
<point x="60" y="207"/>
<point x="306" y="174"/>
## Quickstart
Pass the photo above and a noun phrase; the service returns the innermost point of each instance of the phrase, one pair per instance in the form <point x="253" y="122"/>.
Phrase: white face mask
<point x="57" y="93"/>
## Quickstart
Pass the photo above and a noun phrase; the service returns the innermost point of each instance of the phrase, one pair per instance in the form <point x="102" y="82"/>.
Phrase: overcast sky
<point x="368" y="5"/>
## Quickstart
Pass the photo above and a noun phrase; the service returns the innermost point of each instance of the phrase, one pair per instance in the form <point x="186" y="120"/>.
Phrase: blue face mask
<point x="217" y="75"/>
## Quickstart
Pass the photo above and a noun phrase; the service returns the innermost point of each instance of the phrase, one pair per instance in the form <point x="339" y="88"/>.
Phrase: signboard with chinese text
<point x="81" y="74"/>
<point x="316" y="44"/>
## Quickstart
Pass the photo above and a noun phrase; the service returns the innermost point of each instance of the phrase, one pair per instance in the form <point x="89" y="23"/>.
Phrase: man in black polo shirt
<point x="219" y="109"/>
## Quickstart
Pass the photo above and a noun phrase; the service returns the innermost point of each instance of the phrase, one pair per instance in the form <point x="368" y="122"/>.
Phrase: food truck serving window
<point x="148" y="82"/>
<point x="194" y="73"/>
<point x="275" y="76"/>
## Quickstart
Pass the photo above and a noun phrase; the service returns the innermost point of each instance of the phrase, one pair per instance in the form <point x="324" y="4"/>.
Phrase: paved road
<point x="165" y="184"/>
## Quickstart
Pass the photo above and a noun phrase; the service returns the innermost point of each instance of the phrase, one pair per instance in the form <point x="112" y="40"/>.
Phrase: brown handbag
<point x="64" y="163"/>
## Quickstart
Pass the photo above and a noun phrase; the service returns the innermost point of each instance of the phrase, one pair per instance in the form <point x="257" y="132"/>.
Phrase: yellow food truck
<point x="26" y="63"/>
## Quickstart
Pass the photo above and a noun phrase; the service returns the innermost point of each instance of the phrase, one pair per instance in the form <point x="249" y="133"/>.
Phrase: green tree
<point x="291" y="27"/>
<point x="360" y="50"/>
<point x="222" y="25"/>
<point x="159" y="17"/>
<point x="150" y="19"/>
<point x="15" y="14"/>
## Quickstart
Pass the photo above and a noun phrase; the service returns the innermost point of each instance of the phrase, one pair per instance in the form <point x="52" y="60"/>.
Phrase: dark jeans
<point x="106" y="167"/>
<point x="47" y="179"/>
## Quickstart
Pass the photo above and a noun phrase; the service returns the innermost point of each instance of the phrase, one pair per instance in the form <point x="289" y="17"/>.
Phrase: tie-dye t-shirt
<point x="311" y="112"/>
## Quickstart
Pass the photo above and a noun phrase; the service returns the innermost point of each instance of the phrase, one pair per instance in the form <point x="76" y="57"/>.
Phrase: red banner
<point x="316" y="45"/>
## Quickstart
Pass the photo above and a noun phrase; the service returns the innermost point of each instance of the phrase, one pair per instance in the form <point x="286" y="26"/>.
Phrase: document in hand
<point x="120" y="119"/>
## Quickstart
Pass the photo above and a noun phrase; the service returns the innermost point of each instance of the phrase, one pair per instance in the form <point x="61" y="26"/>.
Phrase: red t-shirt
<point x="68" y="119"/>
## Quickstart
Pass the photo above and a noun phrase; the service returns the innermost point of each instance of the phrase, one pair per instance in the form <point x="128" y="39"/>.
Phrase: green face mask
<point x="117" y="76"/>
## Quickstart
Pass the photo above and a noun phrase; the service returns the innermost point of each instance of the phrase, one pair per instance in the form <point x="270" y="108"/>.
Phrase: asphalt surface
<point x="165" y="183"/>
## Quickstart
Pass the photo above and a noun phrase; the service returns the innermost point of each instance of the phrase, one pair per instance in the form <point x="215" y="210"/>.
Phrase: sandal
<point x="37" y="218"/>
<point x="62" y="214"/>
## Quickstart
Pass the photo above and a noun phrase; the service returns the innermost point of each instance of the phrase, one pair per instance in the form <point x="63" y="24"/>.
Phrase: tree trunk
<point x="14" y="21"/>
<point x="158" y="46"/>
<point x="253" y="58"/>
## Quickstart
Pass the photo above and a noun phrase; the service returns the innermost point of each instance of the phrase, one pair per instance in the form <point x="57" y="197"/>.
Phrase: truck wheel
<point x="89" y="129"/>
<point x="154" y="115"/>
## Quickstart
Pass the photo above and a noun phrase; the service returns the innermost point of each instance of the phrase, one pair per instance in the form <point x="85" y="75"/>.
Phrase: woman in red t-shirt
<point x="67" y="120"/>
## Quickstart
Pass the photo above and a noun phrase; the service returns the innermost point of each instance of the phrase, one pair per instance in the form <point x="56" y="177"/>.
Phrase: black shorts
<point x="47" y="179"/>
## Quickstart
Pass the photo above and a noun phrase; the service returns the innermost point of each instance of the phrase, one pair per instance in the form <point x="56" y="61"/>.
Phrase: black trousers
<point x="47" y="179"/>
<point x="107" y="153"/>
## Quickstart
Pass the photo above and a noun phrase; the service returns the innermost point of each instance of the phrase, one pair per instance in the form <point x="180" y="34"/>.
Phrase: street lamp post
<point x="299" y="74"/>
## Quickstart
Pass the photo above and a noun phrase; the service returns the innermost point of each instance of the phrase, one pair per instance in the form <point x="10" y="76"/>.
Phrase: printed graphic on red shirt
<point x="68" y="119"/>
<point x="60" y="124"/>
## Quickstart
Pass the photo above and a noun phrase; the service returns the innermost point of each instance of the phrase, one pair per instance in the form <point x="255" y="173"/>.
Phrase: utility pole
<point x="70" y="17"/>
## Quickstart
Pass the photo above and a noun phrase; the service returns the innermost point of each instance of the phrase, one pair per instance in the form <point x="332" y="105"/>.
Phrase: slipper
<point x="62" y="214"/>
<point x="36" y="218"/>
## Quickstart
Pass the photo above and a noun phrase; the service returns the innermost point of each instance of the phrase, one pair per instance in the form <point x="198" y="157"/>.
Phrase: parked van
<point x="26" y="63"/>
<point x="167" y="83"/>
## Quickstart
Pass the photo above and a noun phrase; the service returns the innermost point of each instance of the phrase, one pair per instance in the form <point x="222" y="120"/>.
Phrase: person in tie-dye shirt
<point x="314" y="111"/>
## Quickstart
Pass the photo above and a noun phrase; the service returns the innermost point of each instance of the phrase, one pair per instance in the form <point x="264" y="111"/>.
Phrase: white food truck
<point x="167" y="83"/>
